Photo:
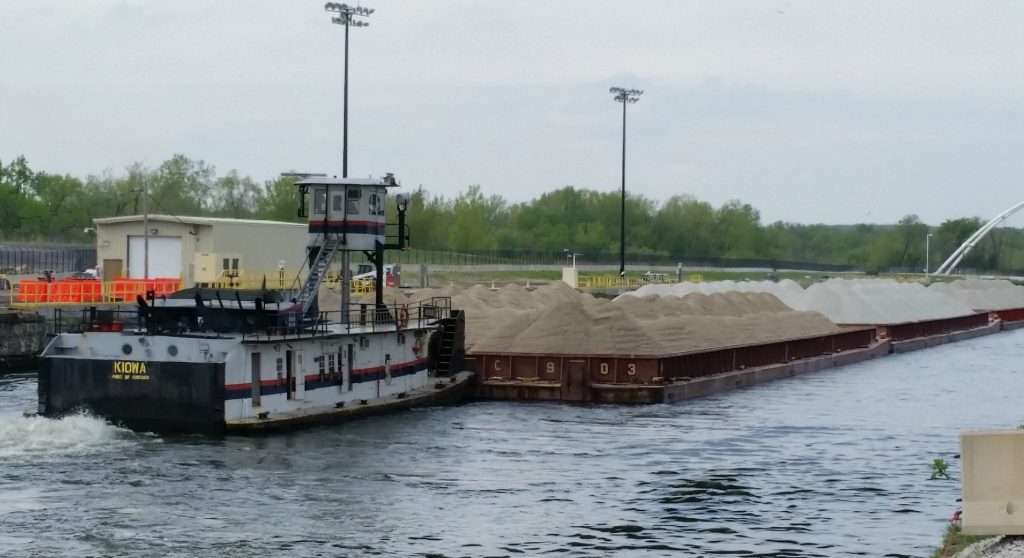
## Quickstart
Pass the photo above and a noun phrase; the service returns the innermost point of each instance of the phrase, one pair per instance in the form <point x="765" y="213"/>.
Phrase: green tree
<point x="278" y="200"/>
<point x="182" y="186"/>
<point x="235" y="196"/>
<point x="737" y="230"/>
<point x="475" y="218"/>
<point x="685" y="227"/>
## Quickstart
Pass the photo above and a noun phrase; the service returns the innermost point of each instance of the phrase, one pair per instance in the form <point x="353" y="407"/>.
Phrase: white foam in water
<point x="40" y="438"/>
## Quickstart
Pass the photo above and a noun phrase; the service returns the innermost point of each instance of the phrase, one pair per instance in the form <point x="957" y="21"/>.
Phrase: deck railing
<point x="356" y="318"/>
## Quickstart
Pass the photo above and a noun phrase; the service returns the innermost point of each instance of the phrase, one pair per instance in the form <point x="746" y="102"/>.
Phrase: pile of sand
<point x="666" y="319"/>
<point x="983" y="294"/>
<point x="843" y="301"/>
<point x="329" y="298"/>
<point x="557" y="319"/>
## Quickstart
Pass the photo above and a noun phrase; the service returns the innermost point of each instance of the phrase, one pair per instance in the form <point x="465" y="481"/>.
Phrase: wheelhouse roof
<point x="335" y="181"/>
<point x="187" y="220"/>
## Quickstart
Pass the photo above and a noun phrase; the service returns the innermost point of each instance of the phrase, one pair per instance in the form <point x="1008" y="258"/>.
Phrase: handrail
<point x="362" y="317"/>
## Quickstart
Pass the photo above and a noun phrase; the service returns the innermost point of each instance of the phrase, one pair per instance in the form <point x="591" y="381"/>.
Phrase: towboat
<point x="216" y="361"/>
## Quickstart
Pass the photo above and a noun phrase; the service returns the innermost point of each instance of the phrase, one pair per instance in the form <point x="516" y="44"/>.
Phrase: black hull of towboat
<point x="163" y="397"/>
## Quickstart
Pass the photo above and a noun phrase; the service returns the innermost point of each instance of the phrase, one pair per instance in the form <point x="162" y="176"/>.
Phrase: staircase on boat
<point x="317" y="271"/>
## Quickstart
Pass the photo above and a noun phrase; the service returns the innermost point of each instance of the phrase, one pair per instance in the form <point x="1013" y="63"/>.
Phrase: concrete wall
<point x="993" y="482"/>
<point x="21" y="335"/>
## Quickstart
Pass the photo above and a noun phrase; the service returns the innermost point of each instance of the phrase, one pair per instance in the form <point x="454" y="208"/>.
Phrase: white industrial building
<point x="197" y="249"/>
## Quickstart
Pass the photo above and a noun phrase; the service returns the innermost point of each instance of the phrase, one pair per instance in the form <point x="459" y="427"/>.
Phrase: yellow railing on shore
<point x="275" y="279"/>
<point x="601" y="282"/>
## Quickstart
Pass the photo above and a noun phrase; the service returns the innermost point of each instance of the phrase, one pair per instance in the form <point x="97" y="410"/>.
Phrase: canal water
<point x="830" y="464"/>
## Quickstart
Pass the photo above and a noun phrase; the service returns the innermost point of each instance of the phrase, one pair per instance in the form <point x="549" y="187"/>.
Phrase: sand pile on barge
<point x="698" y="321"/>
<point x="983" y="294"/>
<point x="572" y="328"/>
<point x="558" y="319"/>
<point x="843" y="301"/>
<point x="329" y="298"/>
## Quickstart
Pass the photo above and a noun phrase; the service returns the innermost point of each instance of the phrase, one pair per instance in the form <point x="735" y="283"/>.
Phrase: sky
<point x="833" y="112"/>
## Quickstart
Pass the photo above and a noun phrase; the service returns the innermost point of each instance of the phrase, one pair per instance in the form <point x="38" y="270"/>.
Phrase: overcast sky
<point x="811" y="111"/>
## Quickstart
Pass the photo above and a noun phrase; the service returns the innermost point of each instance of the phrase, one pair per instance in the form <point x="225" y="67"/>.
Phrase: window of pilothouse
<point x="320" y="201"/>
<point x="353" y="201"/>
<point x="376" y="207"/>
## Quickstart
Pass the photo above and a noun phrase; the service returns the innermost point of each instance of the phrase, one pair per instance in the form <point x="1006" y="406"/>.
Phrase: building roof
<point x="387" y="181"/>
<point x="193" y="220"/>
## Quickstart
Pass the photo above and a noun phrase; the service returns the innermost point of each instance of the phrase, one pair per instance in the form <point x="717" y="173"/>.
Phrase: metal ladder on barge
<point x="451" y="347"/>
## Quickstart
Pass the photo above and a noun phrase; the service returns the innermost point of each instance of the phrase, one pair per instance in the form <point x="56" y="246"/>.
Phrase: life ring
<point x="403" y="317"/>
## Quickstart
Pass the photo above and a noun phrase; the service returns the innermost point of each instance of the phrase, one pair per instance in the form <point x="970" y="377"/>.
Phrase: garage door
<point x="164" y="256"/>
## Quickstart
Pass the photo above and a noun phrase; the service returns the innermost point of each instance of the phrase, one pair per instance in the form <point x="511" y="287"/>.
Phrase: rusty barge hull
<point x="671" y="392"/>
<point x="646" y="379"/>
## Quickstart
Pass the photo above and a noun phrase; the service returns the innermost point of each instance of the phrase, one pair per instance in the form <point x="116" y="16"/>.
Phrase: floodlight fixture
<point x="626" y="95"/>
<point x="347" y="14"/>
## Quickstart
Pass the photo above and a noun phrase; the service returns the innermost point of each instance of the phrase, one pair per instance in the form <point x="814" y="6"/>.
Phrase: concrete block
<point x="21" y="335"/>
<point x="993" y="482"/>
<point x="569" y="277"/>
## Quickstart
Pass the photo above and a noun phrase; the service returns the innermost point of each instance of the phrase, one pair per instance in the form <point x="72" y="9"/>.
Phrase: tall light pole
<point x="927" y="253"/>
<point x="624" y="96"/>
<point x="145" y="228"/>
<point x="346" y="16"/>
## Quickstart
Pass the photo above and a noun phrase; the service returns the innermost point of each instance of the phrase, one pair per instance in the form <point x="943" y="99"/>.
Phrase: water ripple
<point x="824" y="465"/>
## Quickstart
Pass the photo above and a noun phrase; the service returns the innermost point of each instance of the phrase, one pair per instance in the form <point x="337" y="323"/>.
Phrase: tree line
<point x="41" y="206"/>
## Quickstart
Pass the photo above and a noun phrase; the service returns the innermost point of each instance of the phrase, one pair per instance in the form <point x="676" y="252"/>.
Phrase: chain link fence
<point x="555" y="258"/>
<point x="35" y="258"/>
<point x="32" y="258"/>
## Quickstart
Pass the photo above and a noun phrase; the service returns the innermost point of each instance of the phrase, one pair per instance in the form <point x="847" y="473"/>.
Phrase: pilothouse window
<point x="375" y="204"/>
<point x="353" y="202"/>
<point x="320" y="201"/>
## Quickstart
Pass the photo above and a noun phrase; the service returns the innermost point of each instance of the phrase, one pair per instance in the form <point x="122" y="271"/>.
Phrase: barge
<point x="217" y="361"/>
<point x="671" y="378"/>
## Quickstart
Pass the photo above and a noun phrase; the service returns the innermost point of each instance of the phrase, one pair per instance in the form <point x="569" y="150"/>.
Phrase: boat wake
<point x="39" y="438"/>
